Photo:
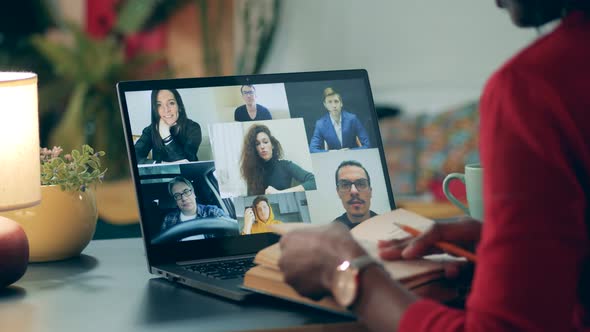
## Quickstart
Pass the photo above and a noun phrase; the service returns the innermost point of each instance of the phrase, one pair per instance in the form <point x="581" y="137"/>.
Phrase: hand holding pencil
<point x="462" y="234"/>
<point x="446" y="246"/>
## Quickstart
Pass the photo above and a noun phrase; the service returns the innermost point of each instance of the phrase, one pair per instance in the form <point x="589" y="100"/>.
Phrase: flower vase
<point x="61" y="226"/>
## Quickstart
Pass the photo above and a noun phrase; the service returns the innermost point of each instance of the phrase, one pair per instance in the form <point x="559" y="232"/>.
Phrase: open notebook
<point x="423" y="276"/>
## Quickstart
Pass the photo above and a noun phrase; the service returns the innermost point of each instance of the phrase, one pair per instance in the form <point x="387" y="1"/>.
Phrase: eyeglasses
<point x="249" y="93"/>
<point x="187" y="192"/>
<point x="345" y="185"/>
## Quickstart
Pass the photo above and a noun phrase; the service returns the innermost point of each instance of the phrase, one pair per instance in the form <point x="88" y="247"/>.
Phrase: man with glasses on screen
<point x="184" y="195"/>
<point x="353" y="185"/>
<point x="250" y="111"/>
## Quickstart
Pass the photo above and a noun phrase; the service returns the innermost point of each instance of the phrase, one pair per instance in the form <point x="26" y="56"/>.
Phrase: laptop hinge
<point x="215" y="259"/>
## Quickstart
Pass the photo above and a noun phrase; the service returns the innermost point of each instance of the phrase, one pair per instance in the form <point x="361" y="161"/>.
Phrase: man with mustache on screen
<point x="353" y="186"/>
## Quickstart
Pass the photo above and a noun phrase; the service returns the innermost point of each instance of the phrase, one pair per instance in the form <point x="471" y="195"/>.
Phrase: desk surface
<point x="108" y="288"/>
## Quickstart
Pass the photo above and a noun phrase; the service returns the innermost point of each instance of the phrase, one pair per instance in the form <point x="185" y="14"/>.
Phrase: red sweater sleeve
<point x="534" y="236"/>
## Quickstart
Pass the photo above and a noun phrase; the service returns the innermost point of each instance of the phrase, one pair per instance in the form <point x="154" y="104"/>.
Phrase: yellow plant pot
<point x="61" y="226"/>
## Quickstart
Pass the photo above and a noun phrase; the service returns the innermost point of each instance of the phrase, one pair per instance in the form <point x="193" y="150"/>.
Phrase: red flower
<point x="101" y="16"/>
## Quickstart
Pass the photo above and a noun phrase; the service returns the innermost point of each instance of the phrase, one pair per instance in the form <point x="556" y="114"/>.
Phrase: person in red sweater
<point x="533" y="269"/>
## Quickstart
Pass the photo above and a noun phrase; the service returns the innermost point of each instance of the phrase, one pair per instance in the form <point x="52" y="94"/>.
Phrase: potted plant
<point x="64" y="223"/>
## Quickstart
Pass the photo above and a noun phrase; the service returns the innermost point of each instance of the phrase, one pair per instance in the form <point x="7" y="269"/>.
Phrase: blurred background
<point x="427" y="62"/>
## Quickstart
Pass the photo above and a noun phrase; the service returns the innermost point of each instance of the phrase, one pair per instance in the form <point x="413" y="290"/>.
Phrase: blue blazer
<point x="351" y="129"/>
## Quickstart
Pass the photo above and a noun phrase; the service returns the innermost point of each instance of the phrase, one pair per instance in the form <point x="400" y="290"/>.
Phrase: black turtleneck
<point x="281" y="173"/>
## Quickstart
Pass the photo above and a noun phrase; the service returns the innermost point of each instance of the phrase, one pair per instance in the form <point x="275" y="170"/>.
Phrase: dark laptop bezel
<point x="242" y="245"/>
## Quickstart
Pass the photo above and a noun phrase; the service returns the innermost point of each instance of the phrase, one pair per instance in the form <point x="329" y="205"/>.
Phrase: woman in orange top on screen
<point x="258" y="217"/>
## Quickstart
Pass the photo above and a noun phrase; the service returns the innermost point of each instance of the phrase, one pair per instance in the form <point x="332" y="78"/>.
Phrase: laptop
<point x="214" y="160"/>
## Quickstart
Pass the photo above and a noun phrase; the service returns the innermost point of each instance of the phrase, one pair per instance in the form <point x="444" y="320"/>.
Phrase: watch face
<point x="345" y="285"/>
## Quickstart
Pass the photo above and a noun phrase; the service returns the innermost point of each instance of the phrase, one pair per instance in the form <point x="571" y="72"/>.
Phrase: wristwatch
<point x="345" y="286"/>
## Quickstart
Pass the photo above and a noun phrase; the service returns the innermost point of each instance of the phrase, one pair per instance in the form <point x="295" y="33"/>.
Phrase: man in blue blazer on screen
<point x="338" y="130"/>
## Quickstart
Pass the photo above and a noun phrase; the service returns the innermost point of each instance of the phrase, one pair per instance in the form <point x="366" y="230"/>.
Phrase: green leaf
<point x="101" y="58"/>
<point x="76" y="154"/>
<point x="60" y="56"/>
<point x="134" y="14"/>
<point x="93" y="164"/>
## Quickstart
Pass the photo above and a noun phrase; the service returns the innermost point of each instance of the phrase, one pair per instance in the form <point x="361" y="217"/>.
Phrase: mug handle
<point x="450" y="196"/>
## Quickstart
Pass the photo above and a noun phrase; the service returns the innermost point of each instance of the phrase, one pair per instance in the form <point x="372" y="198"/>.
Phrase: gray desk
<point x="108" y="288"/>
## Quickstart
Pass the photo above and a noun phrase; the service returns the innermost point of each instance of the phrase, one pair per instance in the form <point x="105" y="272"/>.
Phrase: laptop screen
<point x="218" y="160"/>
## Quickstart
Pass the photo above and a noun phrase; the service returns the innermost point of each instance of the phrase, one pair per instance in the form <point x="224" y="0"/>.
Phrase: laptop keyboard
<point x="223" y="270"/>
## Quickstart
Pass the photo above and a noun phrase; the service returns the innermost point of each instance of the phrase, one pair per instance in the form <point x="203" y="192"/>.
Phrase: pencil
<point x="446" y="246"/>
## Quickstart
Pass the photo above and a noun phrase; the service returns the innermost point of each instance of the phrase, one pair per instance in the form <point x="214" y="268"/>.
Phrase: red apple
<point x="14" y="252"/>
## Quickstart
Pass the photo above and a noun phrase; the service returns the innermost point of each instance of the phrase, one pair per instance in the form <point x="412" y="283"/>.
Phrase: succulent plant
<point x="74" y="171"/>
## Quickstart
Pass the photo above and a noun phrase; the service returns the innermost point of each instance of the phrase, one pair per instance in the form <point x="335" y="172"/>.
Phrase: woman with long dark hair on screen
<point x="264" y="170"/>
<point x="171" y="136"/>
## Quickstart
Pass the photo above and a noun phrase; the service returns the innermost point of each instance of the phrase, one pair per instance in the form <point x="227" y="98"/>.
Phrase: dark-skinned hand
<point x="309" y="257"/>
<point x="465" y="233"/>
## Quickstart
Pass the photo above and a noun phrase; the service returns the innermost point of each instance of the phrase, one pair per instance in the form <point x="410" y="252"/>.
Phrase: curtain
<point x="226" y="140"/>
